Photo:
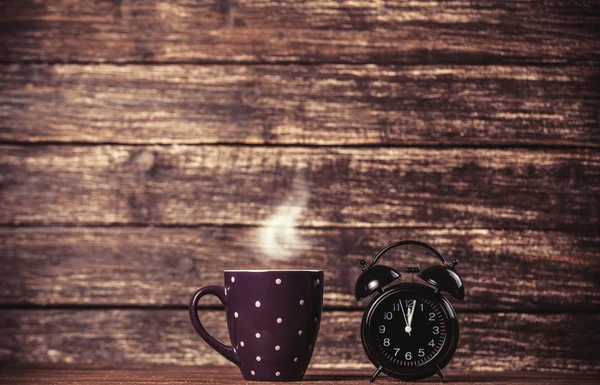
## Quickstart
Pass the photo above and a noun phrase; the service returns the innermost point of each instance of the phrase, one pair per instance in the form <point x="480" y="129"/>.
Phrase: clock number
<point x="432" y="316"/>
<point x="421" y="353"/>
<point x="397" y="350"/>
<point x="381" y="329"/>
<point x="409" y="302"/>
<point x="396" y="307"/>
<point x="421" y="306"/>
<point x="431" y="343"/>
<point x="386" y="342"/>
<point x="436" y="330"/>
<point x="387" y="315"/>
<point x="408" y="356"/>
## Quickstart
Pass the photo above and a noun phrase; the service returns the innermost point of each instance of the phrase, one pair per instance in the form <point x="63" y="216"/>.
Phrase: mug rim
<point x="268" y="270"/>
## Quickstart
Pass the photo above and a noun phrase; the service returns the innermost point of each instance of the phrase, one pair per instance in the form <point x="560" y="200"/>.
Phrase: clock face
<point x="410" y="330"/>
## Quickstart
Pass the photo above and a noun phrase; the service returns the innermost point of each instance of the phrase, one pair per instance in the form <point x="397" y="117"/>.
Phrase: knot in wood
<point x="144" y="161"/>
<point x="186" y="264"/>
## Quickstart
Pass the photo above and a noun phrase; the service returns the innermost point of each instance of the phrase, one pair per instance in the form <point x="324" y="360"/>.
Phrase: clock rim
<point x="444" y="356"/>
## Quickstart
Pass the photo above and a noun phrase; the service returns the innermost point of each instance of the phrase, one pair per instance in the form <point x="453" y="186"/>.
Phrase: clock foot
<point x="439" y="371"/>
<point x="374" y="376"/>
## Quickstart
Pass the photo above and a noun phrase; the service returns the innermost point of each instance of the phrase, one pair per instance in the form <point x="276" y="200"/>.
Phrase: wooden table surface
<point x="12" y="375"/>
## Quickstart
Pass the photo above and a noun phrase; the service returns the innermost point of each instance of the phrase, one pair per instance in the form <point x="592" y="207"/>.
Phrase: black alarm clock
<point x="409" y="330"/>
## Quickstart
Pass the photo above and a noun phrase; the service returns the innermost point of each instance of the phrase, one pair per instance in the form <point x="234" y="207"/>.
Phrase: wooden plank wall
<point x="145" y="146"/>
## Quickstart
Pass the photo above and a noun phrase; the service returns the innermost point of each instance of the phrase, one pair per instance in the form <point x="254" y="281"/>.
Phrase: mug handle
<point x="219" y="292"/>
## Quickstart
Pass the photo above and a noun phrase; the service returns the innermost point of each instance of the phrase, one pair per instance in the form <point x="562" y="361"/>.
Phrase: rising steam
<point x="279" y="235"/>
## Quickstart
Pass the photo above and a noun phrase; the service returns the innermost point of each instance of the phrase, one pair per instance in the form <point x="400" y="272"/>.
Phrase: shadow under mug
<point x="273" y="317"/>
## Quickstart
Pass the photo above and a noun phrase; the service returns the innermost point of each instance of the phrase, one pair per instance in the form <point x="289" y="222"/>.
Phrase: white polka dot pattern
<point x="278" y="352"/>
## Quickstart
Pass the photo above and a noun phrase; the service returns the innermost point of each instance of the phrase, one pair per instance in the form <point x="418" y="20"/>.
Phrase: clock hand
<point x="403" y="314"/>
<point x="407" y="328"/>
<point x="412" y="313"/>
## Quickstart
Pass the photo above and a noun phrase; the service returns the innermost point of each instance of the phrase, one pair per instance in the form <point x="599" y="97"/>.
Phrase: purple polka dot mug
<point x="273" y="317"/>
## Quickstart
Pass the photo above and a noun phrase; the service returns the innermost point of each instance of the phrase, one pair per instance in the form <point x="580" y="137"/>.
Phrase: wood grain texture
<point x="514" y="270"/>
<point x="489" y="342"/>
<point x="290" y="186"/>
<point x="309" y="31"/>
<point x="169" y="374"/>
<point x="318" y="105"/>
